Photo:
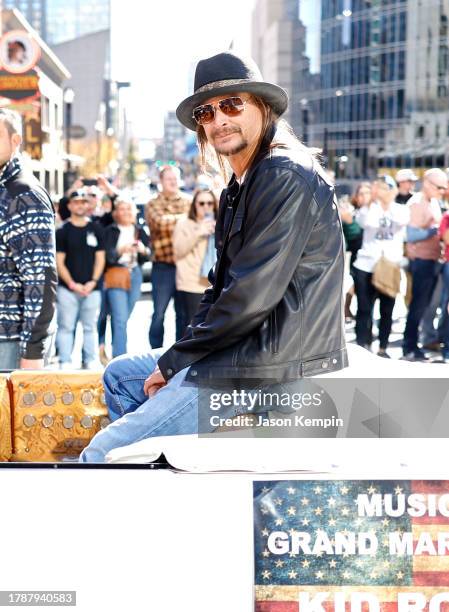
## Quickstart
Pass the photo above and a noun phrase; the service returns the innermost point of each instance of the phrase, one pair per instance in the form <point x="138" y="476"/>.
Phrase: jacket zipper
<point x="274" y="339"/>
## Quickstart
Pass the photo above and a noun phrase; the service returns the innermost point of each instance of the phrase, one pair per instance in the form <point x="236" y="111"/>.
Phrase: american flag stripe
<point x="384" y="594"/>
<point x="294" y="606"/>
<point x="433" y="530"/>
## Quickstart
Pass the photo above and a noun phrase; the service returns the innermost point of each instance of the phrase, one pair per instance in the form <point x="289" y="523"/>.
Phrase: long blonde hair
<point x="275" y="133"/>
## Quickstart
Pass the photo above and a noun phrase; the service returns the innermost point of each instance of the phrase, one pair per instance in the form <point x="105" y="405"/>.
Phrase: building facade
<point x="277" y="46"/>
<point x="377" y="90"/>
<point x="61" y="20"/>
<point x="42" y="117"/>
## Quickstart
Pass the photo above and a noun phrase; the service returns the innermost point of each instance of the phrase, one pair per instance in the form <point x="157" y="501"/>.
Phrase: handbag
<point x="117" y="277"/>
<point x="387" y="277"/>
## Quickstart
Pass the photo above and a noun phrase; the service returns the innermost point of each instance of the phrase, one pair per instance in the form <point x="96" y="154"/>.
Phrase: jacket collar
<point x="10" y="170"/>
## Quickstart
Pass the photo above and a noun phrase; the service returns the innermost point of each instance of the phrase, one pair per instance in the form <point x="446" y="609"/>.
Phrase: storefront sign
<point x="19" y="87"/>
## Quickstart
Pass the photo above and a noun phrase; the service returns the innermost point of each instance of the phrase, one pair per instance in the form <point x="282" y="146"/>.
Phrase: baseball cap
<point x="388" y="180"/>
<point x="405" y="175"/>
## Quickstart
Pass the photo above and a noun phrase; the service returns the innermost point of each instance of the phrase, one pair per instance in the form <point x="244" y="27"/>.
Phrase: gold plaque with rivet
<point x="29" y="420"/>
<point x="103" y="399"/>
<point x="29" y="399"/>
<point x="87" y="397"/>
<point x="49" y="398"/>
<point x="104" y="422"/>
<point x="47" y="420"/>
<point x="67" y="398"/>
<point x="68" y="421"/>
<point x="87" y="422"/>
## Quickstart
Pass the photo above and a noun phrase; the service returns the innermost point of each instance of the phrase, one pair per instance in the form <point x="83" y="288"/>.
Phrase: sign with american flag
<point x="351" y="546"/>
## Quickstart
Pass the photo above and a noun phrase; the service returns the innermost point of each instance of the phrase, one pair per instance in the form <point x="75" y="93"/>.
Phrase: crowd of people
<point x="388" y="227"/>
<point x="392" y="231"/>
<point x="100" y="250"/>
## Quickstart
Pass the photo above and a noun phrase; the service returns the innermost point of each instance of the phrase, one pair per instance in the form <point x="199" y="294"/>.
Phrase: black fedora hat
<point x="228" y="73"/>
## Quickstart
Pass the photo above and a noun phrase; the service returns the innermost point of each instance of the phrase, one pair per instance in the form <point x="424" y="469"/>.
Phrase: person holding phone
<point x="126" y="250"/>
<point x="192" y="239"/>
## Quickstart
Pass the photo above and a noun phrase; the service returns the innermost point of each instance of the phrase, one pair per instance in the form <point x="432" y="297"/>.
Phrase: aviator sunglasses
<point x="231" y="107"/>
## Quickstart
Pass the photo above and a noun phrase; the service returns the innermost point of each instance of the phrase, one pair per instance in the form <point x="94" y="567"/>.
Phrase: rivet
<point x="104" y="422"/>
<point x="27" y="450"/>
<point x="68" y="421"/>
<point x="87" y="397"/>
<point x="29" y="398"/>
<point x="193" y="372"/>
<point x="29" y="420"/>
<point x="47" y="420"/>
<point x="334" y="361"/>
<point x="169" y="371"/>
<point x="324" y="364"/>
<point x="49" y="398"/>
<point x="87" y="422"/>
<point x="67" y="398"/>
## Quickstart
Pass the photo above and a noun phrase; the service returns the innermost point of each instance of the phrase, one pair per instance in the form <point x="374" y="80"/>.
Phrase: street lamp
<point x="98" y="129"/>
<point x="69" y="96"/>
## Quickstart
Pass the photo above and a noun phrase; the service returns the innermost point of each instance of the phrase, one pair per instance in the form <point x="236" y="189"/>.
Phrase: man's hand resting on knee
<point x="154" y="382"/>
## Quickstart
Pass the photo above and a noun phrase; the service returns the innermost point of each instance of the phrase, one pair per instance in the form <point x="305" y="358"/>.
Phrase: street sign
<point x="19" y="87"/>
<point x="32" y="134"/>
<point x="76" y="131"/>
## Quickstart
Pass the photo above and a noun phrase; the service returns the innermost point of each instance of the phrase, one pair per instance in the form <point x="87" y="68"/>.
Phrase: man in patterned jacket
<point x="161" y="214"/>
<point x="27" y="256"/>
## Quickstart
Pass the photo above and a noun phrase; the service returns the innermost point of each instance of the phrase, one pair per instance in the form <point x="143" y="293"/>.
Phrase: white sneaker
<point x="66" y="365"/>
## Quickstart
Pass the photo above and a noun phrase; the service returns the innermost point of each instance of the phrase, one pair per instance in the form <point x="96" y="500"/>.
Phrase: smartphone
<point x="90" y="182"/>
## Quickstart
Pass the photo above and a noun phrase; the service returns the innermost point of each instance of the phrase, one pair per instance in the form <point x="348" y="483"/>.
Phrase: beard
<point x="223" y="149"/>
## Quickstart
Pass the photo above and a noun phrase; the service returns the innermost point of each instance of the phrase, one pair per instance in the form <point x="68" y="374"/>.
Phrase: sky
<point x="155" y="42"/>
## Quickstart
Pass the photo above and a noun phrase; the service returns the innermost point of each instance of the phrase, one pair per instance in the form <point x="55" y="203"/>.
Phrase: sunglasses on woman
<point x="231" y="107"/>
<point x="205" y="202"/>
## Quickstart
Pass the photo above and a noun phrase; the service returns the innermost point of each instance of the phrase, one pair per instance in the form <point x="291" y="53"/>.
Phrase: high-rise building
<point x="277" y="48"/>
<point x="61" y="20"/>
<point x="379" y="94"/>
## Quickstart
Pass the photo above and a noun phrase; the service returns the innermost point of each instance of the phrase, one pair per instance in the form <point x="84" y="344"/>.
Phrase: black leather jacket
<point x="274" y="310"/>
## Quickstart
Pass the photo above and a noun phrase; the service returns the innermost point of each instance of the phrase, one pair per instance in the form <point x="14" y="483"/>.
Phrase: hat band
<point x="218" y="84"/>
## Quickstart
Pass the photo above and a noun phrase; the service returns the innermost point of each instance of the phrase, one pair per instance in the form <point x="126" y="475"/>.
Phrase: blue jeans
<point x="163" y="282"/>
<point x="121" y="304"/>
<point x="424" y="278"/>
<point x="103" y="317"/>
<point x="71" y="308"/>
<point x="9" y="354"/>
<point x="172" y="410"/>
<point x="444" y="319"/>
<point x="429" y="333"/>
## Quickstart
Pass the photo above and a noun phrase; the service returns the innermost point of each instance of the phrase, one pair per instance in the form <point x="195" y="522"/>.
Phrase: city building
<point x="97" y="105"/>
<point x="277" y="46"/>
<point x="378" y="92"/>
<point x="87" y="58"/>
<point x="174" y="143"/>
<point x="43" y="146"/>
<point x="61" y="20"/>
